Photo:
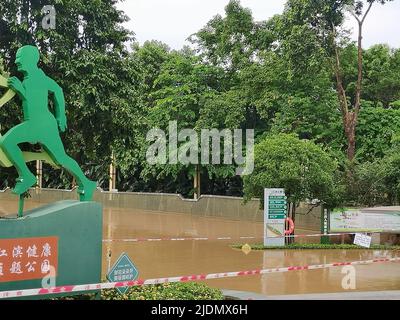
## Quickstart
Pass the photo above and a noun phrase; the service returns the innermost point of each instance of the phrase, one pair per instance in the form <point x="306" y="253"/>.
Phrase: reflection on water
<point x="178" y="258"/>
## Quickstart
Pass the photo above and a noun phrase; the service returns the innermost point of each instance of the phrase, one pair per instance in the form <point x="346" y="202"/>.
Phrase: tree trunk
<point x="196" y="183"/>
<point x="350" y="131"/>
<point x="351" y="146"/>
<point x="350" y="116"/>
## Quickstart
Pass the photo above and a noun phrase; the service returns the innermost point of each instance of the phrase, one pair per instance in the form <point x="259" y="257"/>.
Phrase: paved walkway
<point x="366" y="295"/>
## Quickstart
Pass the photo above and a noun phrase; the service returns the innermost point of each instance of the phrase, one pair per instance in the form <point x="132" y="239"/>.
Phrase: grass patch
<point x="310" y="246"/>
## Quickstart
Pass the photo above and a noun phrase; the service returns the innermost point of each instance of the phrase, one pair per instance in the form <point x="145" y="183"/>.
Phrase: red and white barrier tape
<point x="221" y="238"/>
<point x="178" y="239"/>
<point x="110" y="285"/>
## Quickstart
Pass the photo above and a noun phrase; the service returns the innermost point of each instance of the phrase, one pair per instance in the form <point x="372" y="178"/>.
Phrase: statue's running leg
<point x="9" y="144"/>
<point x="55" y="149"/>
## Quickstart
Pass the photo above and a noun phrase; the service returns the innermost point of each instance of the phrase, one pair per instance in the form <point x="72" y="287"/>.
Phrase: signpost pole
<point x="21" y="201"/>
<point x="324" y="225"/>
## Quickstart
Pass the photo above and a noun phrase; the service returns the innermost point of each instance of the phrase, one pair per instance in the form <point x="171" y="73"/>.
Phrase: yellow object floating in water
<point x="246" y="248"/>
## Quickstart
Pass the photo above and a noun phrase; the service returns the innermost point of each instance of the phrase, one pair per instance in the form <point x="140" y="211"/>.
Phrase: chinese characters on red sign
<point x="27" y="258"/>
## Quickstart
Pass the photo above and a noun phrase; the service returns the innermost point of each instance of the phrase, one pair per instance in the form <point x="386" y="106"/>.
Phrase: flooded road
<point x="180" y="258"/>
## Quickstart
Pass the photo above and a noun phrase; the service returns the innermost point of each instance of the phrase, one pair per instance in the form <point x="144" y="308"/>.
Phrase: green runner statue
<point x="40" y="125"/>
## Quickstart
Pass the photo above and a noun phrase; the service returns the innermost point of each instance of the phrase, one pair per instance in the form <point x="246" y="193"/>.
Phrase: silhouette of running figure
<point x="40" y="125"/>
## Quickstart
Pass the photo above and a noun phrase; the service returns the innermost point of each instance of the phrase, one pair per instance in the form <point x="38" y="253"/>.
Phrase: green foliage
<point x="273" y="76"/>
<point x="85" y="54"/>
<point x="378" y="182"/>
<point x="168" y="291"/>
<point x="381" y="66"/>
<point x="231" y="42"/>
<point x="150" y="58"/>
<point x="382" y="75"/>
<point x="302" y="168"/>
<point x="80" y="24"/>
<point x="191" y="93"/>
<point x="321" y="22"/>
<point x="376" y="130"/>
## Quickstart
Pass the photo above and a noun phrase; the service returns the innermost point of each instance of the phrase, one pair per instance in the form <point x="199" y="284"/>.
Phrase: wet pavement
<point x="181" y="258"/>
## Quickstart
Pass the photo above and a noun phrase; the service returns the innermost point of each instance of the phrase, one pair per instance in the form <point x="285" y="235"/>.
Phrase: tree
<point x="302" y="103"/>
<point x="232" y="41"/>
<point x="350" y="115"/>
<point x="378" y="181"/>
<point x="322" y="22"/>
<point x="150" y="58"/>
<point x="302" y="168"/>
<point x="90" y="25"/>
<point x="381" y="84"/>
<point x="86" y="54"/>
<point x="187" y="91"/>
<point x="377" y="127"/>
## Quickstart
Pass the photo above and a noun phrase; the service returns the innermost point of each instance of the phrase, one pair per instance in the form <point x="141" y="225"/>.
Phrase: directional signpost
<point x="325" y="226"/>
<point x="275" y="209"/>
<point x="123" y="270"/>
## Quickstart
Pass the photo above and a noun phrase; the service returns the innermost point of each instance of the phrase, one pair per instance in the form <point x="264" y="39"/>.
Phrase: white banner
<point x="365" y="220"/>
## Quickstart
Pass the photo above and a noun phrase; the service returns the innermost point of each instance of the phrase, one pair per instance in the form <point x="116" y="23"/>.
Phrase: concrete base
<point x="76" y="228"/>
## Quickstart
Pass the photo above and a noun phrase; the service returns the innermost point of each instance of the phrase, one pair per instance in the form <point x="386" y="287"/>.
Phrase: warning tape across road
<point x="221" y="238"/>
<point x="111" y="285"/>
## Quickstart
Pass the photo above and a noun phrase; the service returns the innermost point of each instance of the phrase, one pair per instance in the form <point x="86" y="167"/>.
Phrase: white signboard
<point x="275" y="207"/>
<point x="365" y="220"/>
<point x="362" y="240"/>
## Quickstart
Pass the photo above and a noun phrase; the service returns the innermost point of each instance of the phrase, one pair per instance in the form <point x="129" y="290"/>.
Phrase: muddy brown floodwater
<point x="181" y="258"/>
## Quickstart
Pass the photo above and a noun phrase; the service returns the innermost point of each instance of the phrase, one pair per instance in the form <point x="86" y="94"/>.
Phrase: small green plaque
<point x="277" y="206"/>
<point x="277" y="211"/>
<point x="277" y="202"/>
<point x="277" y="216"/>
<point x="277" y="197"/>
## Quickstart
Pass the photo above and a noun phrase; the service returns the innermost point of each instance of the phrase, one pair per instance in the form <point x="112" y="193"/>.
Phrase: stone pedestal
<point x="58" y="244"/>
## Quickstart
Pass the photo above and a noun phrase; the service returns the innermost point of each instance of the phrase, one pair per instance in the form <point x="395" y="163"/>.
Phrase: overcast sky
<point x="172" y="21"/>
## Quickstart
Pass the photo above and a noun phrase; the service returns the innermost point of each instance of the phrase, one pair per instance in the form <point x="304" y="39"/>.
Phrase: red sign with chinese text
<point x="28" y="258"/>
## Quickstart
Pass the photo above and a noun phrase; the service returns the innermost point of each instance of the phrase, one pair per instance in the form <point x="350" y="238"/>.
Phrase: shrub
<point x="301" y="167"/>
<point x="166" y="291"/>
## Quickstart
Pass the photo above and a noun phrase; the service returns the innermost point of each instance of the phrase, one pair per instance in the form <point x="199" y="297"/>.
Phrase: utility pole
<point x="39" y="173"/>
<point x="113" y="174"/>
<point x="196" y="183"/>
